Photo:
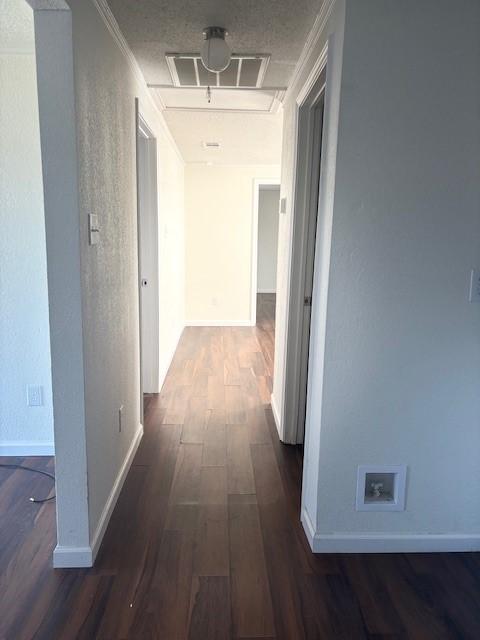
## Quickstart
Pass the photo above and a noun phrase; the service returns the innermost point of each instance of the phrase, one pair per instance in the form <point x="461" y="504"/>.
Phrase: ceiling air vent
<point x="211" y="145"/>
<point x="243" y="72"/>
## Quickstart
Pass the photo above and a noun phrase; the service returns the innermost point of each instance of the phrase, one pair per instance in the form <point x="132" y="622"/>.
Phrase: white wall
<point x="402" y="355"/>
<point x="219" y="234"/>
<point x="24" y="323"/>
<point x="395" y="369"/>
<point x="268" y="201"/>
<point x="94" y="457"/>
<point x="105" y="89"/>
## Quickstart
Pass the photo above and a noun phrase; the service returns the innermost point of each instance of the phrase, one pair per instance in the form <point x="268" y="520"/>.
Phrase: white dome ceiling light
<point x="215" y="51"/>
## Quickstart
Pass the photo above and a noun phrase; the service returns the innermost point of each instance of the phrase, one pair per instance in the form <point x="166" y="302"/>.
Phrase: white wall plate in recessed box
<point x="381" y="487"/>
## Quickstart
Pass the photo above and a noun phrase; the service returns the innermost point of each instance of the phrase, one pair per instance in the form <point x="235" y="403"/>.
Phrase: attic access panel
<point x="243" y="72"/>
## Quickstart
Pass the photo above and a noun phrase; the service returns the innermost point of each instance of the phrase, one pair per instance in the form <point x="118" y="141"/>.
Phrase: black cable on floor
<point x="44" y="473"/>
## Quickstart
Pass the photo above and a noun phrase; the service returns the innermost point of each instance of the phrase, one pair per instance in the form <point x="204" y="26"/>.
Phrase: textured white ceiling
<point x="16" y="27"/>
<point x="154" y="27"/>
<point x="245" y="138"/>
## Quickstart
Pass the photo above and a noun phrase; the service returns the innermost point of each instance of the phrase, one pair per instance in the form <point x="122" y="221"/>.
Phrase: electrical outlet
<point x="34" y="395"/>
<point x="120" y="419"/>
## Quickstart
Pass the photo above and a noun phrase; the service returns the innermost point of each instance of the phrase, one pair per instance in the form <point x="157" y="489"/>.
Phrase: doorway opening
<point x="264" y="263"/>
<point x="310" y="117"/>
<point x="26" y="415"/>
<point x="148" y="259"/>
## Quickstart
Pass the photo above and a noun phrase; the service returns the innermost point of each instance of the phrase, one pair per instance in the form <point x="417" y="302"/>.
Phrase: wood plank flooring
<point x="205" y="541"/>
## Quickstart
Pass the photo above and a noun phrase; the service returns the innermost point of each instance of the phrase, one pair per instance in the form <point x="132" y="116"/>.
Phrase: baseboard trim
<point x="26" y="449"/>
<point x="266" y="291"/>
<point x="168" y="361"/>
<point x="276" y="416"/>
<point x="115" y="492"/>
<point x="72" y="557"/>
<point x="388" y="543"/>
<point x="80" y="557"/>
<point x="220" y="323"/>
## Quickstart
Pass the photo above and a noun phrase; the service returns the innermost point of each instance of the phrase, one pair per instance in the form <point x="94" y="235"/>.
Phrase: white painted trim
<point x="72" y="557"/>
<point x="266" y="291"/>
<point x="157" y="103"/>
<point x="148" y="223"/>
<point x="388" y="542"/>
<point x="276" y="414"/>
<point x="168" y="361"/>
<point x="257" y="184"/>
<point x="12" y="448"/>
<point x="115" y="492"/>
<point x="313" y="76"/>
<point x="55" y="77"/>
<point x="219" y="323"/>
<point x="305" y="104"/>
<point x="312" y="39"/>
<point x="77" y="557"/>
<point x="48" y="5"/>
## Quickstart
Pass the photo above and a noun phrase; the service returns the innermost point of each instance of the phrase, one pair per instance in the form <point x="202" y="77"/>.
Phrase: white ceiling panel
<point x="244" y="138"/>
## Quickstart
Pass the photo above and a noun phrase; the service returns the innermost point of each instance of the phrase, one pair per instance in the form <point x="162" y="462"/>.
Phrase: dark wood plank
<point x="239" y="462"/>
<point x="251" y="600"/>
<point x="210" y="609"/>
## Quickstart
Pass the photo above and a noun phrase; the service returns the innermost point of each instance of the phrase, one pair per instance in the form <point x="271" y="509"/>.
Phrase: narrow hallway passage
<point x="205" y="541"/>
<point x="215" y="499"/>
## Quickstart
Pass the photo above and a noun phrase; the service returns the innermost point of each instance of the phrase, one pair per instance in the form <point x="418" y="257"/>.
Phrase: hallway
<point x="205" y="541"/>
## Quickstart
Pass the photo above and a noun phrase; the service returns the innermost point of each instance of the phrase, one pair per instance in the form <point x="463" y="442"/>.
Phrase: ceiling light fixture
<point x="215" y="51"/>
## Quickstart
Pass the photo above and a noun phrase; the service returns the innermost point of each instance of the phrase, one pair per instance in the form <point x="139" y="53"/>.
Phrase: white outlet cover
<point x="399" y="487"/>
<point x="34" y="395"/>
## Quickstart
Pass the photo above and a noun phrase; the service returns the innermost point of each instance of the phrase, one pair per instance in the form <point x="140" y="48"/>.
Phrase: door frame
<point x="307" y="102"/>
<point x="258" y="183"/>
<point x="145" y="135"/>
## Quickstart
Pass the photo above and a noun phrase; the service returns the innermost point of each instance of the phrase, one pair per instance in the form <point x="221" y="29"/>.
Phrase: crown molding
<point x="312" y="39"/>
<point x="115" y="31"/>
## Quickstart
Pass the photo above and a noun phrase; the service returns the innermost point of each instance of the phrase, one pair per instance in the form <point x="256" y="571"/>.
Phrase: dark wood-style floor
<point x="205" y="542"/>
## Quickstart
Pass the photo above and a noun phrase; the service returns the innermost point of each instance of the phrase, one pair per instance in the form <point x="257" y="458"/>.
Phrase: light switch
<point x="93" y="229"/>
<point x="474" y="286"/>
<point x="283" y="205"/>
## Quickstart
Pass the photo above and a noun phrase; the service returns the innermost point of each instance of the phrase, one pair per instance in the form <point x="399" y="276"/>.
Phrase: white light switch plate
<point x="474" y="286"/>
<point x="283" y="205"/>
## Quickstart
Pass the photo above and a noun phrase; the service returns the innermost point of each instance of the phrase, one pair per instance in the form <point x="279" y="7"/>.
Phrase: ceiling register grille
<point x="243" y="72"/>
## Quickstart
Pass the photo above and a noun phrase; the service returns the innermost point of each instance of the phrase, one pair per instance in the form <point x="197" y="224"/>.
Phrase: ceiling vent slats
<point x="244" y="71"/>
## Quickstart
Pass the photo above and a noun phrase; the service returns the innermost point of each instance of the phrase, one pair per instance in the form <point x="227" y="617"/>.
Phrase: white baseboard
<point x="115" y="492"/>
<point x="77" y="557"/>
<point x="72" y="557"/>
<point x="276" y="416"/>
<point x="266" y="291"/>
<point x="13" y="448"/>
<point x="168" y="361"/>
<point x="388" y="542"/>
<point x="220" y="323"/>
